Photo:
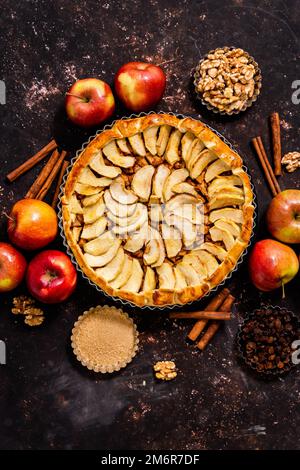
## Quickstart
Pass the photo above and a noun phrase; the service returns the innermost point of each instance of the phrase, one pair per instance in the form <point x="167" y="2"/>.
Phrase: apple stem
<point x="77" y="96"/>
<point x="7" y="216"/>
<point x="283" y="290"/>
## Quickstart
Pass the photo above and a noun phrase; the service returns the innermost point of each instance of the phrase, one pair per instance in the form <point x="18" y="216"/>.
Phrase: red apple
<point x="32" y="224"/>
<point x="139" y="85"/>
<point x="51" y="277"/>
<point x="272" y="264"/>
<point x="12" y="267"/>
<point x="283" y="216"/>
<point x="89" y="102"/>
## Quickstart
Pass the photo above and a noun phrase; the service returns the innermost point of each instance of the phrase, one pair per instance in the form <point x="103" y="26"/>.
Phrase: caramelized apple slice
<point x="117" y="209"/>
<point x="224" y="199"/>
<point x="215" y="169"/>
<point x="208" y="260"/>
<point x="136" y="225"/>
<point x="194" y="260"/>
<point x="194" y="153"/>
<point x="124" y="275"/>
<point x="186" y="228"/>
<point x="172" y="152"/>
<point x="92" y="213"/>
<point x="123" y="146"/>
<point x="106" y="170"/>
<point x="205" y="158"/>
<point x="166" y="276"/>
<point x="135" y="280"/>
<point x="113" y="154"/>
<point x="150" y="137"/>
<point x="91" y="200"/>
<point x="175" y="177"/>
<point x="87" y="177"/>
<point x="229" y="225"/>
<point x="236" y="215"/>
<point x="74" y="205"/>
<point x="142" y="182"/>
<point x="215" y="250"/>
<point x="186" y="143"/>
<point x="189" y="273"/>
<point x="184" y="188"/>
<point x="95" y="229"/>
<point x="222" y="235"/>
<point x="99" y="245"/>
<point x="163" y="138"/>
<point x="136" y="241"/>
<point x="86" y="190"/>
<point x="179" y="201"/>
<point x="180" y="282"/>
<point x="223" y="181"/>
<point x="159" y="179"/>
<point x="113" y="268"/>
<point x="130" y="219"/>
<point x="122" y="195"/>
<point x="149" y="283"/>
<point x="137" y="144"/>
<point x="105" y="258"/>
<point x="172" y="240"/>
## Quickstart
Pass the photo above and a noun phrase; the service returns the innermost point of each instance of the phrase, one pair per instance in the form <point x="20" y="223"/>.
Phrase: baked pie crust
<point x="157" y="210"/>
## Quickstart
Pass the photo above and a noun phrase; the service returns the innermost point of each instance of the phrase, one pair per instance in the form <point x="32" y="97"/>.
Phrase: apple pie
<point x="157" y="210"/>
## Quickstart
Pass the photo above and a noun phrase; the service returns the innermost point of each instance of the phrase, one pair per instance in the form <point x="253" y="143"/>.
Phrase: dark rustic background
<point x="47" y="400"/>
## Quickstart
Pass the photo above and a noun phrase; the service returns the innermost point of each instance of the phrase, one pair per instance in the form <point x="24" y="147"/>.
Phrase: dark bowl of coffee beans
<point x="267" y="340"/>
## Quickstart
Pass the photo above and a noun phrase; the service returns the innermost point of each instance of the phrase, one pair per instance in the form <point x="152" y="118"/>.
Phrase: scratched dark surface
<point x="46" y="399"/>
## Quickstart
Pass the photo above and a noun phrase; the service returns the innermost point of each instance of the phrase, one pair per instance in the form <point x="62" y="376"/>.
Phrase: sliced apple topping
<point x="179" y="201"/>
<point x="186" y="143"/>
<point x="172" y="152"/>
<point x="224" y="199"/>
<point x="175" y="177"/>
<point x="123" y="146"/>
<point x="194" y="153"/>
<point x="94" y="212"/>
<point x="150" y="136"/>
<point x="117" y="209"/>
<point x="91" y="200"/>
<point x="215" y="169"/>
<point x="149" y="283"/>
<point x="74" y="205"/>
<point x="106" y="170"/>
<point x="163" y="138"/>
<point x="99" y="245"/>
<point x="76" y="232"/>
<point x="136" y="241"/>
<point x="95" y="229"/>
<point x="87" y="177"/>
<point x="208" y="260"/>
<point x="205" y="158"/>
<point x="234" y="190"/>
<point x="229" y="225"/>
<point x="86" y="190"/>
<point x="137" y="144"/>
<point x="215" y="250"/>
<point x="130" y="219"/>
<point x="186" y="228"/>
<point x="159" y="179"/>
<point x="122" y="195"/>
<point x="189" y="273"/>
<point x="97" y="261"/>
<point x="236" y="215"/>
<point x="156" y="213"/>
<point x="136" y="225"/>
<point x="185" y="188"/>
<point x="142" y="182"/>
<point x="113" y="154"/>
<point x="124" y="275"/>
<point x="222" y="235"/>
<point x="172" y="240"/>
<point x="192" y="259"/>
<point x="97" y="158"/>
<point x="180" y="282"/>
<point x="166" y="276"/>
<point x="113" y="268"/>
<point x="191" y="212"/>
<point x="223" y="181"/>
<point x="154" y="253"/>
<point x="135" y="280"/>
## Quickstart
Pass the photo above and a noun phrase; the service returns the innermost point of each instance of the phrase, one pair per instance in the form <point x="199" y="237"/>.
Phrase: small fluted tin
<point x="257" y="78"/>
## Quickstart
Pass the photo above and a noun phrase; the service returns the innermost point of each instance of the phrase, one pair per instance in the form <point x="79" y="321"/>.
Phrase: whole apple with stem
<point x="139" y="85"/>
<point x="283" y="216"/>
<point x="32" y="224"/>
<point x="89" y="102"/>
<point x="51" y="277"/>
<point x="12" y="267"/>
<point x="272" y="264"/>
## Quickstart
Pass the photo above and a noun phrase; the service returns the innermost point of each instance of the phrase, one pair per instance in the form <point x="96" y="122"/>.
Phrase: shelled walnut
<point x="165" y="370"/>
<point x="292" y="161"/>
<point x="24" y="305"/>
<point x="227" y="79"/>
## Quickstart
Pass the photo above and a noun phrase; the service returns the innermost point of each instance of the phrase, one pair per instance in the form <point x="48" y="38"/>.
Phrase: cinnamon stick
<point x="31" y="162"/>
<point x="202" y="314"/>
<point x="267" y="169"/>
<point x="214" y="304"/>
<point x="215" y="325"/>
<point x="40" y="180"/>
<point x="58" y="184"/>
<point x="47" y="184"/>
<point x="276" y="142"/>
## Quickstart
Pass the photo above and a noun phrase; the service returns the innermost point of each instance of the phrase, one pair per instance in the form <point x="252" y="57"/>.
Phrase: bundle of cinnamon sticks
<point x="56" y="165"/>
<point x="258" y="145"/>
<point x="218" y="309"/>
